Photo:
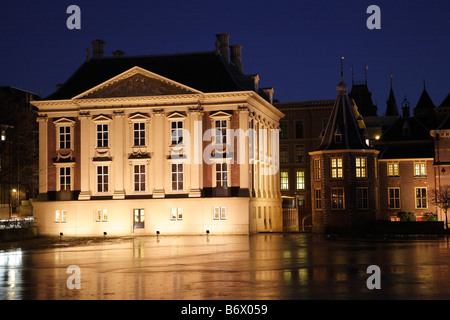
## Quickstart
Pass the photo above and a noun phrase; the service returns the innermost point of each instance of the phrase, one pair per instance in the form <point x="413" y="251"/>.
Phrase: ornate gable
<point x="136" y="82"/>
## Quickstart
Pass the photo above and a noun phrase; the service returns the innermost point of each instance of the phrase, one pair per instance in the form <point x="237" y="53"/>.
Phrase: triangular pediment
<point x="136" y="82"/>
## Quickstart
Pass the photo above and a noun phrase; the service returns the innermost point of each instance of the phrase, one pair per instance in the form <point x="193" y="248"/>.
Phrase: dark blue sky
<point x="294" y="46"/>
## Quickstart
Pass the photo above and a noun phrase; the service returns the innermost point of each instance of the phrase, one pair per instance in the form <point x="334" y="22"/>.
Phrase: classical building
<point x="165" y="144"/>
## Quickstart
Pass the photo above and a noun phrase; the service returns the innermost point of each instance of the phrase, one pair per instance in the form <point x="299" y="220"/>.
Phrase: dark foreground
<point x="264" y="266"/>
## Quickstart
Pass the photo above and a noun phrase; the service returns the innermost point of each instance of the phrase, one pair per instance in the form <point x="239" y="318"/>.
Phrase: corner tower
<point x="344" y="179"/>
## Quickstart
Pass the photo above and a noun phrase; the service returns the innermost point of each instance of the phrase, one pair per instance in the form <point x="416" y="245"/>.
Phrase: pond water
<point x="263" y="266"/>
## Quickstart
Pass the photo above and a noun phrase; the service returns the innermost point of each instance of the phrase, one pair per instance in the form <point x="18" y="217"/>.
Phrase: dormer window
<point x="337" y="138"/>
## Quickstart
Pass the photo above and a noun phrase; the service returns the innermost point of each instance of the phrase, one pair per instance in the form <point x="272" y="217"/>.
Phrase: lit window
<point x="393" y="169"/>
<point x="102" y="179"/>
<point x="394" y="198"/>
<point x="221" y="175"/>
<point x="318" y="198"/>
<point x="220" y="213"/>
<point x="421" y="198"/>
<point x="336" y="168"/>
<point x="300" y="180"/>
<point x="102" y="135"/>
<point x="420" y="169"/>
<point x="139" y="133"/>
<point x="58" y="216"/>
<point x="101" y="215"/>
<point x="362" y="198"/>
<point x="63" y="215"/>
<point x="139" y="177"/>
<point x="361" y="167"/>
<point x="177" y="177"/>
<point x="337" y="198"/>
<point x="176" y="214"/>
<point x="284" y="180"/>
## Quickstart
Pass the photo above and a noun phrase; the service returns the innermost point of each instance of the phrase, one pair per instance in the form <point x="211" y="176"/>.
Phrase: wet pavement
<point x="264" y="266"/>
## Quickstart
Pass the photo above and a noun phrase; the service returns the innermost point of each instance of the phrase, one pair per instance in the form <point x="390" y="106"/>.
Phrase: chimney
<point x="236" y="57"/>
<point x="222" y="45"/>
<point x="118" y="53"/>
<point x="97" y="48"/>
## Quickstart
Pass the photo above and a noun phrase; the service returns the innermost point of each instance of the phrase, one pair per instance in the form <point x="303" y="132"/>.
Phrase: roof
<point x="406" y="129"/>
<point x="391" y="105"/>
<point x="343" y="124"/>
<point x="446" y="102"/>
<point x="204" y="71"/>
<point x="363" y="99"/>
<point x="425" y="101"/>
<point x="407" y="151"/>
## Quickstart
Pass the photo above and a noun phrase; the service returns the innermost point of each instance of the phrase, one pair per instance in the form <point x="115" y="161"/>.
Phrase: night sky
<point x="294" y="46"/>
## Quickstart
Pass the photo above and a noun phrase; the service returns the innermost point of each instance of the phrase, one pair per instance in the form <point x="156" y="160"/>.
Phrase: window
<point x="337" y="138"/>
<point x="102" y="135"/>
<point x="60" y="216"/>
<point x="300" y="180"/>
<point x="283" y="130"/>
<point x="177" y="176"/>
<point x="139" y="177"/>
<point x="298" y="129"/>
<point x="221" y="175"/>
<point x="318" y="198"/>
<point x="176" y="214"/>
<point x="299" y="153"/>
<point x="176" y="132"/>
<point x="336" y="168"/>
<point x="394" y="198"/>
<point x="102" y="179"/>
<point x="139" y="218"/>
<point x="317" y="173"/>
<point x="284" y="180"/>
<point x="337" y="198"/>
<point x="139" y="133"/>
<point x="421" y="198"/>
<point x="64" y="137"/>
<point x="221" y="131"/>
<point x="101" y="215"/>
<point x="362" y="198"/>
<point x="301" y="200"/>
<point x="220" y="213"/>
<point x="393" y="169"/>
<point x="284" y="154"/>
<point x="420" y="169"/>
<point x="64" y="178"/>
<point x="361" y="167"/>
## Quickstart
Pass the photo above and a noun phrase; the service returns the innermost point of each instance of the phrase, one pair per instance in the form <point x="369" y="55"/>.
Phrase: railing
<point x="16" y="223"/>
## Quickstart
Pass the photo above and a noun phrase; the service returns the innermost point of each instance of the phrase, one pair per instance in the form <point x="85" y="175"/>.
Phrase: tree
<point x="441" y="198"/>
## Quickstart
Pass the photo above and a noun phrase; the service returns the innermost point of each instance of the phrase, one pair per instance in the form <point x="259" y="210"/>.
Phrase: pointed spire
<point x="343" y="130"/>
<point x="391" y="104"/>
<point x="365" y="73"/>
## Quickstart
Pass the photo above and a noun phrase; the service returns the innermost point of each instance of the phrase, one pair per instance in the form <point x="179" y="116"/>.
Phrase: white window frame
<point x="394" y="167"/>
<point x="101" y="215"/>
<point x="60" y="123"/>
<point x="141" y="177"/>
<point x="420" y="169"/>
<point x="361" y="167"/>
<point x="60" y="216"/>
<point x="102" y="174"/>
<point x="177" y="172"/>
<point x="394" y="198"/>
<point x="222" y="173"/>
<point x="220" y="213"/>
<point x="300" y="179"/>
<point x="337" y="171"/>
<point x="284" y="184"/>
<point x="422" y="198"/>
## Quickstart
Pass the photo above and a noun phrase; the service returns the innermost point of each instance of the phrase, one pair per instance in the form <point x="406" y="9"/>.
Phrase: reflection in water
<point x="265" y="266"/>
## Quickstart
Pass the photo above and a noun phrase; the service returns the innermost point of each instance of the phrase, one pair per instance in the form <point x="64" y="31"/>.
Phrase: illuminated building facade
<point x="166" y="144"/>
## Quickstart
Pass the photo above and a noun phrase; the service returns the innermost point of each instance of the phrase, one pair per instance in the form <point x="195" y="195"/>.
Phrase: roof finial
<point x="391" y="78"/>
<point x="342" y="68"/>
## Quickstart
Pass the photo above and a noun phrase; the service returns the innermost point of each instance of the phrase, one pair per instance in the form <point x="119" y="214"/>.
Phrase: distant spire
<point x="342" y="68"/>
<point x="391" y="78"/>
